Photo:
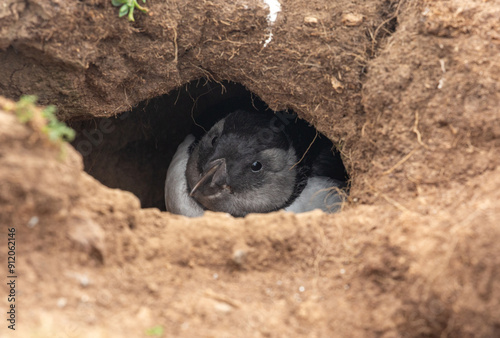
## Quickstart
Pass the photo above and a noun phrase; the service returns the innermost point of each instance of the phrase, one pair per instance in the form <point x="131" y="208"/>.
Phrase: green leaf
<point x="117" y="3"/>
<point x="157" y="330"/>
<point x="49" y="112"/>
<point x="28" y="99"/>
<point x="127" y="7"/>
<point x="68" y="134"/>
<point x="53" y="135"/>
<point x="123" y="10"/>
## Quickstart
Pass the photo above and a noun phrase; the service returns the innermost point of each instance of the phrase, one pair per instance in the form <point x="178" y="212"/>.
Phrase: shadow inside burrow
<point x="133" y="150"/>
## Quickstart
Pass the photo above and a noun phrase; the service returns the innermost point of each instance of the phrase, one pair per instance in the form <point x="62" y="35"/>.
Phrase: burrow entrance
<point x="132" y="151"/>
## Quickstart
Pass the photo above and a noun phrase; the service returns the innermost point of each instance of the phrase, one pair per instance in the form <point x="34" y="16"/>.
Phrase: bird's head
<point x="243" y="164"/>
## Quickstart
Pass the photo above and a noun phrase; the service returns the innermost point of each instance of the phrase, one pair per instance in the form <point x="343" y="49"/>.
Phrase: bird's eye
<point x="256" y="166"/>
<point x="214" y="141"/>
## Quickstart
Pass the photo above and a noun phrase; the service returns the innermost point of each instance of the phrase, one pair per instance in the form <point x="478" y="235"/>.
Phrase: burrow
<point x="132" y="150"/>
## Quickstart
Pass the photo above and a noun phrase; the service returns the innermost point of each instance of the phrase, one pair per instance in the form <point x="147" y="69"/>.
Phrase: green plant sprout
<point x="155" y="331"/>
<point x="127" y="7"/>
<point x="56" y="130"/>
<point x="24" y="108"/>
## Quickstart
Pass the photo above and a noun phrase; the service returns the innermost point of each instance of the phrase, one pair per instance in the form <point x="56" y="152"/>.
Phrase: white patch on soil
<point x="274" y="9"/>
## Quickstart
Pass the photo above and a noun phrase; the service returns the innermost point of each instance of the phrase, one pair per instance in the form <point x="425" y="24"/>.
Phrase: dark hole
<point x="132" y="151"/>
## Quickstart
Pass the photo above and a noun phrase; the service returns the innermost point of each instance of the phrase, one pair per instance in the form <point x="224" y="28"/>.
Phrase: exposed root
<point x="176" y="49"/>
<point x="363" y="132"/>
<point x="401" y="161"/>
<point x="304" y="155"/>
<point x="417" y="132"/>
<point x="222" y="298"/>
<point x="374" y="35"/>
<point x="335" y="190"/>
<point x="387" y="198"/>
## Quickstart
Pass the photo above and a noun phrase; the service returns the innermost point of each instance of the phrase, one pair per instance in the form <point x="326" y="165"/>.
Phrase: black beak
<point x="216" y="171"/>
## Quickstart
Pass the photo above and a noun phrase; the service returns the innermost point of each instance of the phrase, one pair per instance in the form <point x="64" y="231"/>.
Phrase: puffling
<point x="252" y="162"/>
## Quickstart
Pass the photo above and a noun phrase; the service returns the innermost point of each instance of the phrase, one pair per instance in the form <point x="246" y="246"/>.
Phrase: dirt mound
<point x="408" y="92"/>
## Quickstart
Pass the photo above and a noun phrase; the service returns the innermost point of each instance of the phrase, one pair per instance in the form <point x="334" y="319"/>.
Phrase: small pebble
<point x="33" y="221"/>
<point x="84" y="280"/>
<point x="311" y="20"/>
<point x="222" y="307"/>
<point x="352" y="19"/>
<point x="62" y="302"/>
<point x="239" y="256"/>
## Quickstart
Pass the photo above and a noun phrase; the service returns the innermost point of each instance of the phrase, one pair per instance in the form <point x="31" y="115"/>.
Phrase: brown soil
<point x="410" y="96"/>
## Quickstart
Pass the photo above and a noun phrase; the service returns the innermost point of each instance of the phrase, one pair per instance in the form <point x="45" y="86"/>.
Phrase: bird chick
<point x="249" y="163"/>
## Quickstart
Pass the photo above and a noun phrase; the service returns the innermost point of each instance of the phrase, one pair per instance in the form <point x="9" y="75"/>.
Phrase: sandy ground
<point x="410" y="96"/>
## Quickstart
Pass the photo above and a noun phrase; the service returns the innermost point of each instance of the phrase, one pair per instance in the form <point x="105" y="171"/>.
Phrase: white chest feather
<point x="177" y="199"/>
<point x="319" y="193"/>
